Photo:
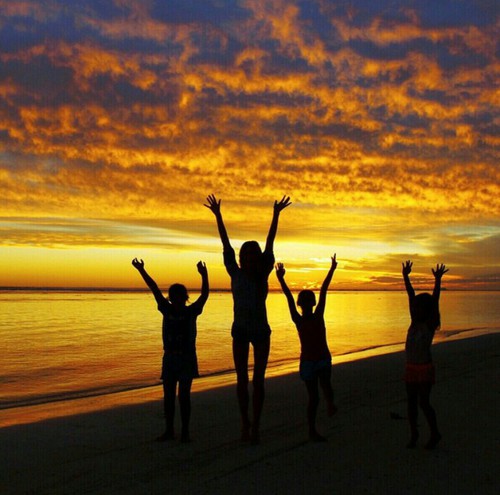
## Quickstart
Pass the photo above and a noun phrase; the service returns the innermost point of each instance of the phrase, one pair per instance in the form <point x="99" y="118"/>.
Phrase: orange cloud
<point x="369" y="126"/>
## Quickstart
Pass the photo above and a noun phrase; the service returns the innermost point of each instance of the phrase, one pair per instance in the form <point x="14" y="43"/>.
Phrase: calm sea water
<point x="59" y="345"/>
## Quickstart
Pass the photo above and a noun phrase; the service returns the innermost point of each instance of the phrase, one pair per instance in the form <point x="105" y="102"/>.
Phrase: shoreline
<point x="113" y="450"/>
<point x="28" y="413"/>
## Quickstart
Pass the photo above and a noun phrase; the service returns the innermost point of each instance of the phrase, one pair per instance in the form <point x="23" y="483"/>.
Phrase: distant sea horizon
<point x="221" y="289"/>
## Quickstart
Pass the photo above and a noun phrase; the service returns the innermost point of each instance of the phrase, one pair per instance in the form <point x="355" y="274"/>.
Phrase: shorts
<point x="420" y="373"/>
<point x="179" y="367"/>
<point x="245" y="336"/>
<point x="310" y="370"/>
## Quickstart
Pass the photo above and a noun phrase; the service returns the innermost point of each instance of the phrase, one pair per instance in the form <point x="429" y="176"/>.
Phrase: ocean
<point x="68" y="344"/>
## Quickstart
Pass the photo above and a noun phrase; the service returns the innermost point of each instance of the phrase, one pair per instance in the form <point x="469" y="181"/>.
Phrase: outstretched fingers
<point x="280" y="269"/>
<point x="440" y="270"/>
<point x="282" y="204"/>
<point x="407" y="266"/>
<point x="213" y="203"/>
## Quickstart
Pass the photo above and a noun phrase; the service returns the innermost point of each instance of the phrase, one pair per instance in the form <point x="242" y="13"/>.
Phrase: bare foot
<point x="165" y="437"/>
<point x="433" y="441"/>
<point x="331" y="409"/>
<point x="185" y="437"/>
<point x="412" y="443"/>
<point x="245" y="431"/>
<point x="316" y="437"/>
<point x="255" y="436"/>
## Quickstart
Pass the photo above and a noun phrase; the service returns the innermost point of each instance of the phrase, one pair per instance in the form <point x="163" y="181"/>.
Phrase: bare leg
<point x="324" y="376"/>
<point x="412" y="393"/>
<point x="312" y="409"/>
<point x="430" y="415"/>
<point x="169" y="391"/>
<point x="240" y="356"/>
<point x="185" y="407"/>
<point x="261" y="355"/>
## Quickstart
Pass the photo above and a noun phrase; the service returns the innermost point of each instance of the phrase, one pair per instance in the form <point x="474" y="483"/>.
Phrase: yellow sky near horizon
<point x="381" y="123"/>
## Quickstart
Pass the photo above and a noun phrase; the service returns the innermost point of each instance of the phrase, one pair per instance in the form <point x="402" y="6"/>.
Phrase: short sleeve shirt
<point x="179" y="327"/>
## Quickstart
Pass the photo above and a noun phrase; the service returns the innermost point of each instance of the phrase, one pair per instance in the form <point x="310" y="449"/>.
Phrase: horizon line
<point x="271" y="289"/>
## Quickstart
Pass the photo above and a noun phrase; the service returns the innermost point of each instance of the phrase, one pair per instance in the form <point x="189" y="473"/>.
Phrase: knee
<point x="242" y="380"/>
<point x="184" y="396"/>
<point x="425" y="405"/>
<point x="169" y="394"/>
<point x="313" y="400"/>
<point x="258" y="384"/>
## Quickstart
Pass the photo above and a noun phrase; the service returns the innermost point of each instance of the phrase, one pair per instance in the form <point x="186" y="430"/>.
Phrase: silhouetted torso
<point x="249" y="297"/>
<point x="312" y="334"/>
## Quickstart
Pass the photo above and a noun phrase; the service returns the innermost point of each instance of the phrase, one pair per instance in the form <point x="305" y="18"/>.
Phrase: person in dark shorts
<point x="419" y="370"/>
<point x="249" y="286"/>
<point x="180" y="363"/>
<point x="315" y="357"/>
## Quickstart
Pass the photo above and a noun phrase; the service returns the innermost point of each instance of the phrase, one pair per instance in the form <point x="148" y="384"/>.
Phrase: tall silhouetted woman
<point x="249" y="286"/>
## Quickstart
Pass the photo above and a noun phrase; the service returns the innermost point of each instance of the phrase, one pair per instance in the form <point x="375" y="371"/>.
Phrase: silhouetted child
<point x="180" y="364"/>
<point x="315" y="357"/>
<point x="419" y="373"/>
<point x="249" y="286"/>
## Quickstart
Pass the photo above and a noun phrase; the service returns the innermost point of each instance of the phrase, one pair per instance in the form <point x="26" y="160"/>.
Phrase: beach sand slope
<point x="113" y="451"/>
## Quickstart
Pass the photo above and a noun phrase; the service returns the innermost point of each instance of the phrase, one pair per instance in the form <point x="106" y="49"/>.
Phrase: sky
<point x="379" y="119"/>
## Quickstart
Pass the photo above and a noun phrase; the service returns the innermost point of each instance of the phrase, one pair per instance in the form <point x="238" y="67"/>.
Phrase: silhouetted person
<point x="249" y="286"/>
<point x="180" y="363"/>
<point x="315" y="357"/>
<point x="419" y="373"/>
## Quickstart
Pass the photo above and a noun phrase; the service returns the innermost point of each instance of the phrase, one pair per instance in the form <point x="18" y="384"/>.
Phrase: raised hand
<point x="279" y="206"/>
<point x="202" y="268"/>
<point x="407" y="267"/>
<point x="139" y="265"/>
<point x="334" y="262"/>
<point x="439" y="271"/>
<point x="213" y="204"/>
<point x="280" y="270"/>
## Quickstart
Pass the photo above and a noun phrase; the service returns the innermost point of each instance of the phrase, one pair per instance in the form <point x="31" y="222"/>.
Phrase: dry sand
<point x="113" y="451"/>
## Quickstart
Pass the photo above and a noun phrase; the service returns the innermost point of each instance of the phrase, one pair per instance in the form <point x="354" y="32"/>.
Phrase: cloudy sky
<point x="379" y="119"/>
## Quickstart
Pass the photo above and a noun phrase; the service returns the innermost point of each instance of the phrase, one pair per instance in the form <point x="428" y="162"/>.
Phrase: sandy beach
<point x="113" y="450"/>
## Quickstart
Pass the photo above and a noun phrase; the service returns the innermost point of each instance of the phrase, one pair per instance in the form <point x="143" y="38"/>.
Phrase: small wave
<point x="72" y="395"/>
<point x="458" y="331"/>
<point x="367" y="348"/>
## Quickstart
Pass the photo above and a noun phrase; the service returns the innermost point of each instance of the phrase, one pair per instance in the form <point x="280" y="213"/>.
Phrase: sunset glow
<point x="379" y="119"/>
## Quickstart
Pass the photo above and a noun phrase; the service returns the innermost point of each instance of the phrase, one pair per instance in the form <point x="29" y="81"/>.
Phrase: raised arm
<point x="202" y="270"/>
<point x="406" y="276"/>
<point x="139" y="266"/>
<point x="438" y="275"/>
<point x="279" y="206"/>
<point x="320" y="308"/>
<point x="280" y="273"/>
<point x="214" y="206"/>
